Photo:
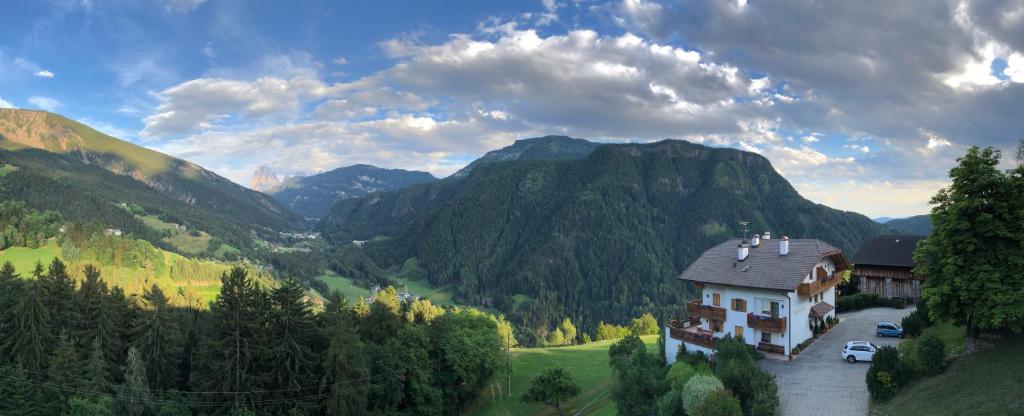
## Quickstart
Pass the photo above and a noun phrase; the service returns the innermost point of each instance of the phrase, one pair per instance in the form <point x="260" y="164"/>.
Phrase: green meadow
<point x="588" y="364"/>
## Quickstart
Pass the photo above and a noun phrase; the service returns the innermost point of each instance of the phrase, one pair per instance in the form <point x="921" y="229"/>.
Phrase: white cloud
<point x="43" y="74"/>
<point x="200" y="103"/>
<point x="1015" y="67"/>
<point x="859" y="148"/>
<point x="5" y="104"/>
<point x="340" y="61"/>
<point x="45" y="103"/>
<point x="809" y="139"/>
<point x="208" y="51"/>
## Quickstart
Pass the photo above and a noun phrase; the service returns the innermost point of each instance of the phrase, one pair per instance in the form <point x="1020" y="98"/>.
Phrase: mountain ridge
<point x="597" y="238"/>
<point x="312" y="196"/>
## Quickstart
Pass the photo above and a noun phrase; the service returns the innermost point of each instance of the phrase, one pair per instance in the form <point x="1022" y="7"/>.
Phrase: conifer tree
<point x="292" y="333"/>
<point x="232" y="343"/>
<point x="133" y="395"/>
<point x="97" y="371"/>
<point x="65" y="370"/>
<point x="10" y="292"/>
<point x="158" y="339"/>
<point x="32" y="338"/>
<point x="345" y="363"/>
<point x="59" y="290"/>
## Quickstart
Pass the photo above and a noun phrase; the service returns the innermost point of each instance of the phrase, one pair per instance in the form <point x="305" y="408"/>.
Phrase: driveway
<point x="818" y="381"/>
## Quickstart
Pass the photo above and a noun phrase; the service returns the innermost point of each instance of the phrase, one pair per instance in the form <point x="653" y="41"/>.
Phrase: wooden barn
<point x="885" y="266"/>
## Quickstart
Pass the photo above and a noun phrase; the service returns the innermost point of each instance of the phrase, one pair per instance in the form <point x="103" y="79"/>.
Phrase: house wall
<point x="801" y="328"/>
<point x="758" y="301"/>
<point x="672" y="347"/>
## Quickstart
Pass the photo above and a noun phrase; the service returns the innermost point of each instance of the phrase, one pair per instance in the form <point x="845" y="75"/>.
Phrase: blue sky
<point x="861" y="105"/>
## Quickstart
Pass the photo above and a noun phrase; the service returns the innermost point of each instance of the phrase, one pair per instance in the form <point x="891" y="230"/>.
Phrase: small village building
<point x="885" y="266"/>
<point x="770" y="292"/>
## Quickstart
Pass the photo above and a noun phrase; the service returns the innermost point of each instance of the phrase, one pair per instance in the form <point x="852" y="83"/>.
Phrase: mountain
<point x="538" y="148"/>
<point x="598" y="238"/>
<point x="882" y="220"/>
<point x="916" y="225"/>
<point x="63" y="165"/>
<point x="312" y="196"/>
<point x="264" y="179"/>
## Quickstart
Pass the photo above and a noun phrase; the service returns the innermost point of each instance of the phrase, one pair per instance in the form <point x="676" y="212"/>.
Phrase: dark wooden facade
<point x="890" y="282"/>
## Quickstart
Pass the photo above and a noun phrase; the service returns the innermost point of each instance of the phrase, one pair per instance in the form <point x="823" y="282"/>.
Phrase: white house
<point x="769" y="291"/>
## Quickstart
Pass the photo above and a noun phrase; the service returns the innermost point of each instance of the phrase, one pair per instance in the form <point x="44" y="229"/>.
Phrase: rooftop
<point x="763" y="268"/>
<point x="888" y="250"/>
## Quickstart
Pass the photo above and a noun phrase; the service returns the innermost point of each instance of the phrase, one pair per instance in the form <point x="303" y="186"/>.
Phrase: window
<point x="716" y="299"/>
<point x="716" y="325"/>
<point x="739" y="305"/>
<point x="739" y="331"/>
<point x="766" y="337"/>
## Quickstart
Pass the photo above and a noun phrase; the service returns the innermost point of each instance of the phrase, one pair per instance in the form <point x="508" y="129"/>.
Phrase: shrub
<point x="718" y="403"/>
<point x="923" y="313"/>
<point x="622" y="351"/>
<point x="865" y="300"/>
<point x="912" y="324"/>
<point x="733" y="348"/>
<point x="679" y="374"/>
<point x="644" y="325"/>
<point x="753" y="387"/>
<point x="697" y="389"/>
<point x="932" y="353"/>
<point x="695" y="358"/>
<point x="671" y="404"/>
<point x="896" y="373"/>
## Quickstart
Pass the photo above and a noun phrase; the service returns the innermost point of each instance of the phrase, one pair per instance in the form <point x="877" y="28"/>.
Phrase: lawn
<point x="24" y="259"/>
<point x="986" y="383"/>
<point x="588" y="365"/>
<point x="350" y="291"/>
<point x="183" y="240"/>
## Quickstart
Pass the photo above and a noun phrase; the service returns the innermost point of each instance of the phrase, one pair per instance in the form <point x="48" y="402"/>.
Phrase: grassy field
<point x="588" y="365"/>
<point x="24" y="259"/>
<point x="183" y="240"/>
<point x="350" y="291"/>
<point x="986" y="383"/>
<point x="132" y="280"/>
<point x="952" y="335"/>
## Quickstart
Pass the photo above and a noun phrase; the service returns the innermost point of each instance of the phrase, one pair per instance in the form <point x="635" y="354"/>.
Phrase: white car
<point x="859" y="351"/>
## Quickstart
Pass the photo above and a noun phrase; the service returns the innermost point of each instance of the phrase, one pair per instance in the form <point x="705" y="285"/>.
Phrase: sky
<point x="861" y="105"/>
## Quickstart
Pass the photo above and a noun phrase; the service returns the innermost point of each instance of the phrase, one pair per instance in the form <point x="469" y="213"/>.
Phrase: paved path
<point x="818" y="381"/>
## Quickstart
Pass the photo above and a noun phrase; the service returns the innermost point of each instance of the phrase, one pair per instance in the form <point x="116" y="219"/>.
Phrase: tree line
<point x="92" y="349"/>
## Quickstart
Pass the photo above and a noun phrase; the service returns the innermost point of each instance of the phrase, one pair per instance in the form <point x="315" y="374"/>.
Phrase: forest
<point x="90" y="349"/>
<point x="601" y="238"/>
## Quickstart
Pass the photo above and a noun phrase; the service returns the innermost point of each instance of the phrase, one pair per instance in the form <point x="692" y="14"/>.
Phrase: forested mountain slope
<point x="537" y="148"/>
<point x="916" y="225"/>
<point x="312" y="196"/>
<point x="59" y="164"/>
<point x="598" y="238"/>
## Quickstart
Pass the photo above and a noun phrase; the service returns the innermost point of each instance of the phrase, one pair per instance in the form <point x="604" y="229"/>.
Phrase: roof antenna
<point x="743" y="225"/>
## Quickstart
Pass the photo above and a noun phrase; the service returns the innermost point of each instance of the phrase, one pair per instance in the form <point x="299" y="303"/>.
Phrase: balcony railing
<point x="696" y="307"/>
<point x="766" y="323"/>
<point x="817" y="286"/>
<point x="692" y="335"/>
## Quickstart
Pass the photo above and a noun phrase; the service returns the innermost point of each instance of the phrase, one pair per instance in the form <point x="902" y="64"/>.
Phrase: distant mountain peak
<point x="264" y="179"/>
<point x="536" y="148"/>
<point x="312" y="196"/>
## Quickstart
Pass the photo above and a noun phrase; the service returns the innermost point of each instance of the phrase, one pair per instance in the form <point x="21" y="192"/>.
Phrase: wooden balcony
<point x="691" y="334"/>
<point x="696" y="307"/>
<point x="766" y="323"/>
<point x="817" y="286"/>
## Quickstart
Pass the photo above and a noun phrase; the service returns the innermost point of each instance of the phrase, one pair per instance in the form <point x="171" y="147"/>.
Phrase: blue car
<point x="889" y="329"/>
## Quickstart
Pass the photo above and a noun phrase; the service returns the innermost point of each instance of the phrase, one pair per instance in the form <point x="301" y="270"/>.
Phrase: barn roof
<point x="888" y="250"/>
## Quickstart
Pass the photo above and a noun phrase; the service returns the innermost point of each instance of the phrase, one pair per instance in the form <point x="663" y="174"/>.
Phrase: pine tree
<point x="65" y="370"/>
<point x="10" y="292"/>
<point x="59" y="289"/>
<point x="117" y="317"/>
<point x="97" y="370"/>
<point x="345" y="363"/>
<point x="231" y="346"/>
<point x="292" y="332"/>
<point x="133" y="396"/>
<point x="33" y="335"/>
<point x="158" y="339"/>
<point x="88" y="302"/>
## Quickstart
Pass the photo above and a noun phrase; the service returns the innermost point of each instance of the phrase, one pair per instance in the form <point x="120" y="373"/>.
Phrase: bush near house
<point x="865" y="300"/>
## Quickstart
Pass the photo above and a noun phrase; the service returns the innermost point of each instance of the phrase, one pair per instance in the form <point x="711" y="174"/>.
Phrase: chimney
<point x="756" y="241"/>
<point x="741" y="251"/>
<point x="784" y="246"/>
<point x="767" y="235"/>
